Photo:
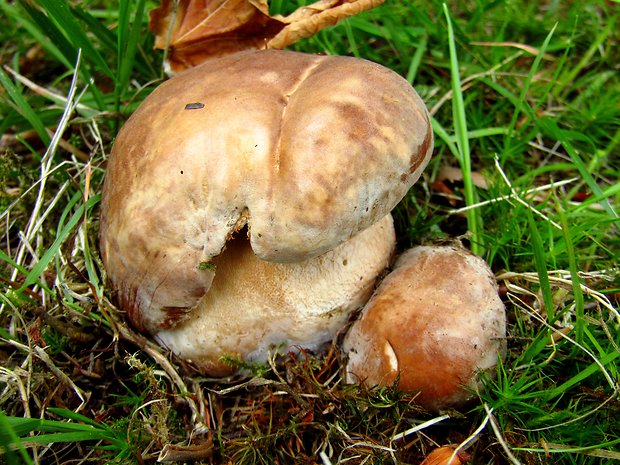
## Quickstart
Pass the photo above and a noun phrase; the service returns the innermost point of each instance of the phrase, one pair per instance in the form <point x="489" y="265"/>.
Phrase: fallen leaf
<point x="307" y="21"/>
<point x="191" y="31"/>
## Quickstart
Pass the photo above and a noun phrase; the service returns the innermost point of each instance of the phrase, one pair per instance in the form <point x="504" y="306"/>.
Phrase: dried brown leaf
<point x="194" y="30"/>
<point x="307" y="21"/>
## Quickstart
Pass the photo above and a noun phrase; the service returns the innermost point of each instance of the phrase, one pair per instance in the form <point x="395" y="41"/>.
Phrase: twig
<point x="526" y="48"/>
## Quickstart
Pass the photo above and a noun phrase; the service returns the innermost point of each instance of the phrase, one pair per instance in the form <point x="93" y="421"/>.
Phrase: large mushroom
<point x="246" y="203"/>
<point x="434" y="325"/>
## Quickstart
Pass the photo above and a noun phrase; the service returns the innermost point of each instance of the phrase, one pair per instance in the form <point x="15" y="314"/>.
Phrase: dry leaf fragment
<point x="307" y="21"/>
<point x="195" y="30"/>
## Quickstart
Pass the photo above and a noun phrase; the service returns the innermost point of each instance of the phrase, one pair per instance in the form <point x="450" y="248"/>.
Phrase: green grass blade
<point x="128" y="37"/>
<point x="522" y="100"/>
<point x="105" y="36"/>
<point x="71" y="415"/>
<point x="22" y="426"/>
<point x="474" y="219"/>
<point x="610" y="191"/>
<point x="12" y="263"/>
<point x="441" y="133"/>
<point x="564" y="138"/>
<point x="535" y="347"/>
<point x="24" y="107"/>
<point x="9" y="440"/>
<point x="367" y="26"/>
<point x="586" y="59"/>
<point x="458" y="105"/>
<point x="574" y="274"/>
<point x="51" y="34"/>
<point x="62" y="431"/>
<point x="122" y="32"/>
<point x="584" y="374"/>
<point x="416" y="59"/>
<point x="351" y="38"/>
<point x="510" y="96"/>
<point x="4" y="257"/>
<point x="42" y="264"/>
<point x="54" y="47"/>
<point x="597" y="450"/>
<point x="60" y="12"/>
<point x="483" y="132"/>
<point x="51" y="438"/>
<point x="540" y="261"/>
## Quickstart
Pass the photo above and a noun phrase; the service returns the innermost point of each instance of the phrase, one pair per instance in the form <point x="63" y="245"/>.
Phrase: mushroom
<point x="433" y="325"/>
<point x="445" y="455"/>
<point x="246" y="201"/>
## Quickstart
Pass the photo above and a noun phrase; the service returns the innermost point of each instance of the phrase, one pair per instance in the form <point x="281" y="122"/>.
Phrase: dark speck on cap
<point x="194" y="106"/>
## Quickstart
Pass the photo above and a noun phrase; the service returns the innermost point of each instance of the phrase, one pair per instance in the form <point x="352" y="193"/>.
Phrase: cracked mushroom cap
<point x="435" y="323"/>
<point x="304" y="151"/>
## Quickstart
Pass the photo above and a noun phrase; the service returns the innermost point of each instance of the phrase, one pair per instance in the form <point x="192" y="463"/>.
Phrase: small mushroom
<point x="445" y="456"/>
<point x="434" y="325"/>
<point x="266" y="179"/>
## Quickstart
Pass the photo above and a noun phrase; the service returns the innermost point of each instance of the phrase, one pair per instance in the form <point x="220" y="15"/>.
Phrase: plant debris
<point x="193" y="31"/>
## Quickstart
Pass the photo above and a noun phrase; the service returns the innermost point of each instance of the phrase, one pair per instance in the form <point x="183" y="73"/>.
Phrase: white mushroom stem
<point x="254" y="306"/>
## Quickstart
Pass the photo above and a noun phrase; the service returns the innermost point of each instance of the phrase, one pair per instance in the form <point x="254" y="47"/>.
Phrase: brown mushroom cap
<point x="434" y="324"/>
<point x="305" y="151"/>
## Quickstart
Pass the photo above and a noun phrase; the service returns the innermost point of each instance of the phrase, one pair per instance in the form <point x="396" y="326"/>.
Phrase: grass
<point x="525" y="101"/>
